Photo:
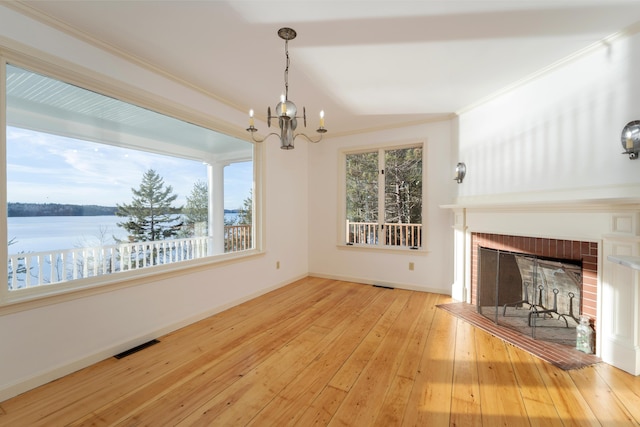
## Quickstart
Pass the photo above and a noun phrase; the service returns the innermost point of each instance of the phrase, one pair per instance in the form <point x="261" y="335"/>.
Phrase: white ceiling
<point x="368" y="64"/>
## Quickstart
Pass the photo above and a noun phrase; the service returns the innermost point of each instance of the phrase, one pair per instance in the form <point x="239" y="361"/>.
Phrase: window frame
<point x="12" y="301"/>
<point x="342" y="202"/>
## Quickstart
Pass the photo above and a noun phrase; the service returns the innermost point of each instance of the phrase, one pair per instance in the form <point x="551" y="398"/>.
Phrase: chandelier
<point x="286" y="110"/>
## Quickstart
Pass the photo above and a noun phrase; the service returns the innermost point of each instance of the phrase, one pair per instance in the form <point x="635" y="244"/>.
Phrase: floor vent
<point x="136" y="349"/>
<point x="382" y="286"/>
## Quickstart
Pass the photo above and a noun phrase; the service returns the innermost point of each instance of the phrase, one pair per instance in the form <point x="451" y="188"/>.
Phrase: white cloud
<point x="47" y="168"/>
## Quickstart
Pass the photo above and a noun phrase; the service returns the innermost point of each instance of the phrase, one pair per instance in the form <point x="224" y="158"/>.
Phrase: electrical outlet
<point x="410" y="266"/>
<point x="277" y="265"/>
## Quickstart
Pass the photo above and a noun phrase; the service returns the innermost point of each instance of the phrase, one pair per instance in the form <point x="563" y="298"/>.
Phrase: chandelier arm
<point x="265" y="137"/>
<point x="286" y="110"/>
<point x="308" y="138"/>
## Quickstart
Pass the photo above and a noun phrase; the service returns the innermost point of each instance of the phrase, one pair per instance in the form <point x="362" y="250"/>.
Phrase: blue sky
<point x="44" y="168"/>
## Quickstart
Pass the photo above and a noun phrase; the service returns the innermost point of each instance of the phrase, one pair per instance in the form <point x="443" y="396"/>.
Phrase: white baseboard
<point x="45" y="377"/>
<point x="458" y="292"/>
<point x="620" y="355"/>
<point x="365" y="281"/>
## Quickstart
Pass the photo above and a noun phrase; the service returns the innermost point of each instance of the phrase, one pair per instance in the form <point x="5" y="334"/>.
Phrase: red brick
<point x="585" y="248"/>
<point x="575" y="250"/>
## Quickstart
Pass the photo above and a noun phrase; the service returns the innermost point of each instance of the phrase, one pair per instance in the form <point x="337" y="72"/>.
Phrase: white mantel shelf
<point x="549" y="205"/>
<point x="627" y="261"/>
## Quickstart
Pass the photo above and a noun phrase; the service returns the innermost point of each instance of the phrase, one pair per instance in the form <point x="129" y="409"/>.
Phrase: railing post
<point x="346" y="234"/>
<point x="85" y="263"/>
<point x="39" y="279"/>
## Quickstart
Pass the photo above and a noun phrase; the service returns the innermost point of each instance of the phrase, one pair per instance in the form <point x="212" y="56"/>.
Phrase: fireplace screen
<point x="534" y="295"/>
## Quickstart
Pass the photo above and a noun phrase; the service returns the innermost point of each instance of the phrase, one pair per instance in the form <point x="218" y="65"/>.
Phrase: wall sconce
<point x="631" y="139"/>
<point x="461" y="171"/>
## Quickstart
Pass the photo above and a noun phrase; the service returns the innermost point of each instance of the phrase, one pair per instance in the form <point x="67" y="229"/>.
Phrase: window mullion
<point x="4" y="252"/>
<point x="381" y="199"/>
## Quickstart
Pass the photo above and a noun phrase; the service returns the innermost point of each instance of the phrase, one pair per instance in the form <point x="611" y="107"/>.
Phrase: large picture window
<point x="383" y="197"/>
<point x="97" y="187"/>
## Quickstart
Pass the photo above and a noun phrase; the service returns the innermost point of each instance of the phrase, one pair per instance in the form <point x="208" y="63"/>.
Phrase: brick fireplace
<point x="594" y="232"/>
<point x="586" y="252"/>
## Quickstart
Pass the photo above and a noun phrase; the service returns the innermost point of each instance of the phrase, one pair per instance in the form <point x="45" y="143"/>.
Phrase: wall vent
<point x="380" y="285"/>
<point x="136" y="349"/>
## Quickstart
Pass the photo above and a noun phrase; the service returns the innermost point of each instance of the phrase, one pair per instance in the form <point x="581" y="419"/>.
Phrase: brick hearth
<point x="562" y="356"/>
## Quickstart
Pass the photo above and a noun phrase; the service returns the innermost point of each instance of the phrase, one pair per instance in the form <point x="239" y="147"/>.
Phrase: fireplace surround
<point x="595" y="232"/>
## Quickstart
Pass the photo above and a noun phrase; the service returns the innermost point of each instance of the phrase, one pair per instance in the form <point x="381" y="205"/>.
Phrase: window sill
<point x="30" y="298"/>
<point x="384" y="249"/>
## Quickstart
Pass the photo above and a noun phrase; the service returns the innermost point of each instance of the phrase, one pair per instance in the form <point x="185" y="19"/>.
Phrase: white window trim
<point x="342" y="208"/>
<point x="25" y="299"/>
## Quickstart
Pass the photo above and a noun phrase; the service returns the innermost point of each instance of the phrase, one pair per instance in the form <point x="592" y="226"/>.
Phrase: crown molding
<point x="38" y="15"/>
<point x="437" y="119"/>
<point x="36" y="60"/>
<point x="605" y="43"/>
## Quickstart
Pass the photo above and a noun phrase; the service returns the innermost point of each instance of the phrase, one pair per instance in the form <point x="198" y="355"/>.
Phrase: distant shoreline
<point x="15" y="209"/>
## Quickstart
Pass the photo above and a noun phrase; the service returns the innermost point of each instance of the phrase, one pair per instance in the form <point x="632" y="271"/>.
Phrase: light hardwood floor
<point x="324" y="352"/>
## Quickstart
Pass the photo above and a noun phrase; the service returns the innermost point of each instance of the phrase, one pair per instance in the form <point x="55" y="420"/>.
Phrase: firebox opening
<point x="535" y="295"/>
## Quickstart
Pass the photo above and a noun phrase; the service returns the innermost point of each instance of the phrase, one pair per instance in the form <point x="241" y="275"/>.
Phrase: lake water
<point x="39" y="234"/>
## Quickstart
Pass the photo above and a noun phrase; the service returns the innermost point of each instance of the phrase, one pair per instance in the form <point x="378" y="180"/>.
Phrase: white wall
<point x="433" y="269"/>
<point x="545" y="160"/>
<point x="557" y="137"/>
<point x="41" y="344"/>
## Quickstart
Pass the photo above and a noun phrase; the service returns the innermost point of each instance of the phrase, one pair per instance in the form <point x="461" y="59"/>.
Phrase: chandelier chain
<point x="286" y="71"/>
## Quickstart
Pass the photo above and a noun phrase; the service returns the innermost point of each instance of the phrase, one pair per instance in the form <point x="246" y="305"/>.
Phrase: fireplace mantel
<point x="613" y="224"/>
<point x="562" y="203"/>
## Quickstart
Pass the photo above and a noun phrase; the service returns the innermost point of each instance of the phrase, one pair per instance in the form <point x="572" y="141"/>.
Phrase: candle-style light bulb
<point x="283" y="103"/>
<point x="251" y="118"/>
<point x="321" y="118"/>
<point x="629" y="141"/>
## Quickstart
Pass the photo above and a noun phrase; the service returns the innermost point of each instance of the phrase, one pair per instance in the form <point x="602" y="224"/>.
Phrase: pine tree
<point x="151" y="216"/>
<point x="246" y="212"/>
<point x="362" y="187"/>
<point x="403" y="186"/>
<point x="196" y="211"/>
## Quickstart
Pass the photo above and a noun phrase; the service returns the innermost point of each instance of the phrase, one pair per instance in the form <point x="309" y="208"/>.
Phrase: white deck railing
<point x="237" y="238"/>
<point x="368" y="233"/>
<point x="31" y="269"/>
